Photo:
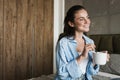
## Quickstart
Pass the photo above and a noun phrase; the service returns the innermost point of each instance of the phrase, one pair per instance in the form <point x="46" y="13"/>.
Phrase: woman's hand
<point x="108" y="55"/>
<point x="88" y="47"/>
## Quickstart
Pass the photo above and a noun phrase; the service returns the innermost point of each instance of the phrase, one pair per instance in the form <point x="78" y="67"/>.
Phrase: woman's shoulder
<point x="63" y="40"/>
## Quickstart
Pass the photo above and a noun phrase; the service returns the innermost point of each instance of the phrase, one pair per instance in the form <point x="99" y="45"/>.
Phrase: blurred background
<point x="105" y="15"/>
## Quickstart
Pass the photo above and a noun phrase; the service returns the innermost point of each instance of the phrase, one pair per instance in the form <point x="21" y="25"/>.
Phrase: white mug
<point x="100" y="58"/>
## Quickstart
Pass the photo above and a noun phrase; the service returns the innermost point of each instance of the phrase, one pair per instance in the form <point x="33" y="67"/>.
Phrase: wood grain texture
<point x="1" y="39"/>
<point x="26" y="38"/>
<point x="39" y="33"/>
<point x="48" y="36"/>
<point x="44" y="37"/>
<point x="22" y="50"/>
<point x="9" y="39"/>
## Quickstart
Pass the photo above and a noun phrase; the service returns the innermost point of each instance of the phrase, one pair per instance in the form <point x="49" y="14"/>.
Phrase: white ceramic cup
<point x="100" y="58"/>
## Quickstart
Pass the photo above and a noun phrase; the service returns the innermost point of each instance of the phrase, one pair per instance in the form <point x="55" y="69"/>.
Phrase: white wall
<point x="58" y="24"/>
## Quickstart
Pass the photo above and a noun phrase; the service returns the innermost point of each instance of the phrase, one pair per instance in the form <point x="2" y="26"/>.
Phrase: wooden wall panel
<point x="26" y="38"/>
<point x="44" y="38"/>
<point x="1" y="39"/>
<point x="48" y="36"/>
<point x="22" y="48"/>
<point x="39" y="32"/>
<point x="9" y="39"/>
<point x="30" y="37"/>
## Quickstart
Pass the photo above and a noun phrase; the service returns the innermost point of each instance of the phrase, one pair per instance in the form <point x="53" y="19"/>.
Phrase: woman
<point x="74" y="49"/>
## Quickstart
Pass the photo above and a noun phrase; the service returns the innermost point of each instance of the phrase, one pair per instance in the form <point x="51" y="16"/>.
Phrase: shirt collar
<point x="71" y="39"/>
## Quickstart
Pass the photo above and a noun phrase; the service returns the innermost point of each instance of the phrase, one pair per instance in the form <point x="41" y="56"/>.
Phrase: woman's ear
<point x="71" y="24"/>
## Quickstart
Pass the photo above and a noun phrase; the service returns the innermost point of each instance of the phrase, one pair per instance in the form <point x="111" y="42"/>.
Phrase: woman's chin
<point x="87" y="30"/>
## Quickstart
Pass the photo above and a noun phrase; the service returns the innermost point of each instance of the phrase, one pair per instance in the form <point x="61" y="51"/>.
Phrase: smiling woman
<point x="74" y="48"/>
<point x="82" y="19"/>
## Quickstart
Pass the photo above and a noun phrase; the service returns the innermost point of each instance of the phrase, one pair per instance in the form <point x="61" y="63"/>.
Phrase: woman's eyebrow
<point x="82" y="17"/>
<point x="79" y="17"/>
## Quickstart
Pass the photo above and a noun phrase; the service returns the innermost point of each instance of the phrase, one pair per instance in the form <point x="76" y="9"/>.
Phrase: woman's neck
<point x="78" y="35"/>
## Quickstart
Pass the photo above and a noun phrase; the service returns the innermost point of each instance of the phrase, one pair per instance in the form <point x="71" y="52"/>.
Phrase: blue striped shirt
<point x="67" y="66"/>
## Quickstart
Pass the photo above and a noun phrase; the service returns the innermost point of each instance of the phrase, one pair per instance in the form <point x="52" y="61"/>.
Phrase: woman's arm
<point x="66" y="69"/>
<point x="92" y="68"/>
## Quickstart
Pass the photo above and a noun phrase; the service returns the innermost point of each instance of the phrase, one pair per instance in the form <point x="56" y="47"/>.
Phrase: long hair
<point x="70" y="31"/>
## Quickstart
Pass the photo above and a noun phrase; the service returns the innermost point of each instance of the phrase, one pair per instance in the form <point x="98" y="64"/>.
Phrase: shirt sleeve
<point x="66" y="69"/>
<point x="93" y="70"/>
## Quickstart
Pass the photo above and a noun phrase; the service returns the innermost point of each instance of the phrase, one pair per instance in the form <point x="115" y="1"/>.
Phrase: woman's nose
<point x="87" y="21"/>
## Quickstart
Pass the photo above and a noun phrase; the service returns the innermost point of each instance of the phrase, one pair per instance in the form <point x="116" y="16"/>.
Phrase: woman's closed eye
<point x="88" y="17"/>
<point x="81" y="19"/>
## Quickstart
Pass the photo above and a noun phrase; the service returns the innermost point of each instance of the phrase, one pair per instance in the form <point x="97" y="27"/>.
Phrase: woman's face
<point x="81" y="21"/>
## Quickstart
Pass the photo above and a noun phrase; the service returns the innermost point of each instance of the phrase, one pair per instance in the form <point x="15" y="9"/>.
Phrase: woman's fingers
<point x="90" y="46"/>
<point x="108" y="57"/>
<point x="87" y="48"/>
